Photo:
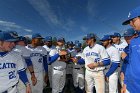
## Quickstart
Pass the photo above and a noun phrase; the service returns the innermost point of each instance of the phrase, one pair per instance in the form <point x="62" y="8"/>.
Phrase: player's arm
<point x="105" y="60"/>
<point x="22" y="73"/>
<point x="24" y="79"/>
<point x="31" y="70"/>
<point x="54" y="56"/>
<point x="45" y="64"/>
<point x="78" y="60"/>
<point x="115" y="57"/>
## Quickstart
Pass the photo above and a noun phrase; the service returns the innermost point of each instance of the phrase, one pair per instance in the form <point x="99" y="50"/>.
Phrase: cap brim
<point x="126" y="22"/>
<point x="12" y="40"/>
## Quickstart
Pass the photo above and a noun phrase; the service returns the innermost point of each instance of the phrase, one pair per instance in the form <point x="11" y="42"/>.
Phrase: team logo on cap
<point x="13" y="35"/>
<point x="129" y="14"/>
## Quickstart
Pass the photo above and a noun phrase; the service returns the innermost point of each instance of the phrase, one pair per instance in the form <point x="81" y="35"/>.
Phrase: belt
<point x="79" y="68"/>
<point x="59" y="69"/>
<point x="9" y="89"/>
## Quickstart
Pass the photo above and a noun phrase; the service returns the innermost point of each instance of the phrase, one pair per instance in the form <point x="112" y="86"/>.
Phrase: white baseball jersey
<point x="36" y="56"/>
<point x="10" y="64"/>
<point x="25" y="53"/>
<point x="97" y="53"/>
<point x="120" y="46"/>
<point x="48" y="49"/>
<point x="113" y="54"/>
<point x="57" y="64"/>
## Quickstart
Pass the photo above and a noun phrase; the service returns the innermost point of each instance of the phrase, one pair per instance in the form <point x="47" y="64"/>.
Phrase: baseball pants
<point x="94" y="79"/>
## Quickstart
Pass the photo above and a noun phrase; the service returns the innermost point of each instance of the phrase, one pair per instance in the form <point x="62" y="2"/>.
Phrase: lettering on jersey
<point x="120" y="49"/>
<point x="35" y="54"/>
<point x="40" y="57"/>
<point x="7" y="65"/>
<point x="91" y="54"/>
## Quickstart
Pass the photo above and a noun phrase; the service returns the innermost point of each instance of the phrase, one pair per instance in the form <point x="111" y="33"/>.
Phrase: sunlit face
<point x="135" y="23"/>
<point x="7" y="46"/>
<point x="115" y="39"/>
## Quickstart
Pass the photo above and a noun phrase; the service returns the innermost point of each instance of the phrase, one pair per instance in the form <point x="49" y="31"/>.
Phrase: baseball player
<point x="11" y="65"/>
<point x="20" y="47"/>
<point x="96" y="58"/>
<point x="111" y="76"/>
<point x="69" y="70"/>
<point x="116" y="39"/>
<point x="58" y="66"/>
<point x="38" y="57"/>
<point x="48" y="46"/>
<point x="131" y="80"/>
<point x="128" y="35"/>
<point x="78" y="69"/>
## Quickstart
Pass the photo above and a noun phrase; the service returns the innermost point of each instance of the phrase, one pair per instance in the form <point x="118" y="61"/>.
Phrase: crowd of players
<point x="67" y="67"/>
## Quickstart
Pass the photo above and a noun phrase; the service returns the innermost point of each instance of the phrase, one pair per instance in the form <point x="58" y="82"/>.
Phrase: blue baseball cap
<point x="37" y="35"/>
<point x="59" y="39"/>
<point x="6" y="36"/>
<point x="78" y="45"/>
<point x="69" y="43"/>
<point x="22" y="38"/>
<point x="129" y="32"/>
<point x="89" y="36"/>
<point x="106" y="37"/>
<point x="116" y="35"/>
<point x="48" y="38"/>
<point x="132" y="14"/>
<point x="14" y="33"/>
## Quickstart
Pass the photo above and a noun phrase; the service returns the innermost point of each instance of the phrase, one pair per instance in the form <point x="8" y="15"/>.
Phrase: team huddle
<point x="28" y="66"/>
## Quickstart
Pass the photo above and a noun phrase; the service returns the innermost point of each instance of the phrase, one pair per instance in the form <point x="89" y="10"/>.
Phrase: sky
<point x="71" y="19"/>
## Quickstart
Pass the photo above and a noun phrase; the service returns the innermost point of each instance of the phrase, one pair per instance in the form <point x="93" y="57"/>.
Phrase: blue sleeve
<point x="126" y="59"/>
<point x="53" y="58"/>
<point x="123" y="67"/>
<point x="113" y="67"/>
<point x="28" y="61"/>
<point x="81" y="61"/>
<point x="23" y="76"/>
<point x="106" y="62"/>
<point x="45" y="63"/>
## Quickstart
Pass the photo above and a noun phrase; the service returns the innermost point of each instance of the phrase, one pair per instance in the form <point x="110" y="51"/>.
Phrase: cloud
<point x="45" y="10"/>
<point x="5" y="25"/>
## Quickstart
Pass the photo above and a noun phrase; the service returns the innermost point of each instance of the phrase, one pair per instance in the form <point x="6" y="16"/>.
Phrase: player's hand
<point x="92" y="65"/>
<point x="46" y="78"/>
<point x="122" y="76"/>
<point x="123" y="89"/>
<point x="62" y="52"/>
<point x="123" y="55"/>
<point x="28" y="88"/>
<point x="75" y="60"/>
<point x="34" y="80"/>
<point x="107" y="79"/>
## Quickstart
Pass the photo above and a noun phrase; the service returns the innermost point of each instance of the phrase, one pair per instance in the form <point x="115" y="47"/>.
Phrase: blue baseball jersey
<point x="132" y="79"/>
